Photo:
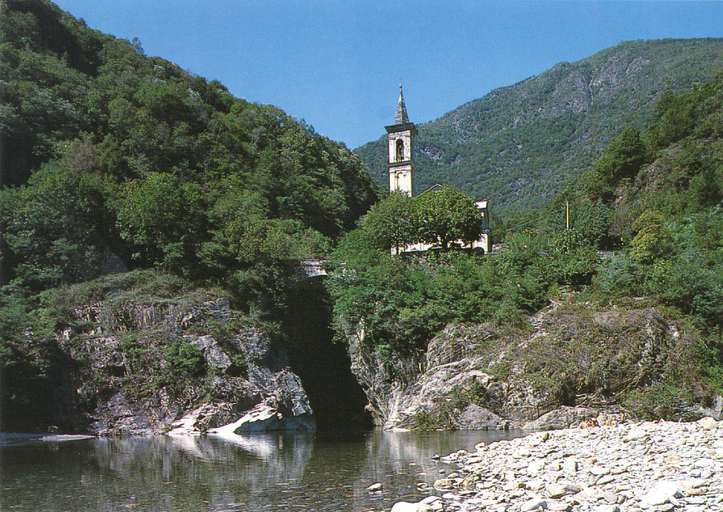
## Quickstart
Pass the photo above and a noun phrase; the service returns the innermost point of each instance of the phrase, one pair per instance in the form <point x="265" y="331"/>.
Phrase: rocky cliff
<point x="571" y="363"/>
<point x="188" y="363"/>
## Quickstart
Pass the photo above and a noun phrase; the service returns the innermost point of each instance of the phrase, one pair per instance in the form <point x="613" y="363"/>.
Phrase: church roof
<point x="400" y="116"/>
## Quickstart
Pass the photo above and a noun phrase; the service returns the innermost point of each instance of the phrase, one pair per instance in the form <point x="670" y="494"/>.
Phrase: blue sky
<point x="337" y="64"/>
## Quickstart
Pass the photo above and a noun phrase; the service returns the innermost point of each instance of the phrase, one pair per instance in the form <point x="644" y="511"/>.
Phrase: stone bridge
<point x="312" y="268"/>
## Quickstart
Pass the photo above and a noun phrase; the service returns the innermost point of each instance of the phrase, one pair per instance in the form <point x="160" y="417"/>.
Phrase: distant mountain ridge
<point x="520" y="144"/>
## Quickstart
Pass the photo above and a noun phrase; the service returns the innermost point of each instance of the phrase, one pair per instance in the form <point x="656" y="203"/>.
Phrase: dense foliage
<point x="519" y="145"/>
<point x="442" y="218"/>
<point x="402" y="301"/>
<point x="645" y="229"/>
<point x="120" y="160"/>
<point x="115" y="161"/>
<point x="658" y="196"/>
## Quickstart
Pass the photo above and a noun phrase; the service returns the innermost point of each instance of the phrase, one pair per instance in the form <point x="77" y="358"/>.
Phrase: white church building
<point x="400" y="166"/>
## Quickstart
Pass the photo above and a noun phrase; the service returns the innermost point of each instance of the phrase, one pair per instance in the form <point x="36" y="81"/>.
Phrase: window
<point x="400" y="150"/>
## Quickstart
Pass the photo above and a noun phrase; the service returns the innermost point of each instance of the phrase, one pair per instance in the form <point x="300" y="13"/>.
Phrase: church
<point x="400" y="166"/>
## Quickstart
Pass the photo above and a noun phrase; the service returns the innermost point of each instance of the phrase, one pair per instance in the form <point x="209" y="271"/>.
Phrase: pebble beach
<point x="629" y="467"/>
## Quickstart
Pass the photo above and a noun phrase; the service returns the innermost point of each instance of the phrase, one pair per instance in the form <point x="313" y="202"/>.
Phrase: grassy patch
<point x="183" y="359"/>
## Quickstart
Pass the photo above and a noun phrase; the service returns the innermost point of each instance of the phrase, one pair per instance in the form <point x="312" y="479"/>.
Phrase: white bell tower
<point x="399" y="150"/>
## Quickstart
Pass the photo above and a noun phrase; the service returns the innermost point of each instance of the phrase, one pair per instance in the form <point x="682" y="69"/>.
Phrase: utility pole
<point x="567" y="214"/>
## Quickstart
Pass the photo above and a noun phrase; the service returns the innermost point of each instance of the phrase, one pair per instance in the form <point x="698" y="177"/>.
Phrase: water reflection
<point x="261" y="472"/>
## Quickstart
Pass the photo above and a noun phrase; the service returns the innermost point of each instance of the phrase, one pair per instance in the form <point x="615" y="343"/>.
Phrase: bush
<point x="404" y="301"/>
<point x="685" y="282"/>
<point x="653" y="238"/>
<point x="57" y="229"/>
<point x="618" y="276"/>
<point x="574" y="258"/>
<point x="661" y="400"/>
<point x="623" y="156"/>
<point x="183" y="359"/>
<point x="163" y="219"/>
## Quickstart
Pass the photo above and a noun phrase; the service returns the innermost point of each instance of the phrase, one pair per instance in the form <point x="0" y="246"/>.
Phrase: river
<point x="309" y="472"/>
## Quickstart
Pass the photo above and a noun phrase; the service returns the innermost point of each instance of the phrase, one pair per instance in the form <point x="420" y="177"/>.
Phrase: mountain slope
<point x="116" y="156"/>
<point x="111" y="160"/>
<point x="547" y="330"/>
<point x="518" y="145"/>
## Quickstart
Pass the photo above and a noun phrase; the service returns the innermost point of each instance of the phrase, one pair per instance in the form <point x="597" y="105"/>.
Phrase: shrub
<point x="184" y="360"/>
<point x="662" y="400"/>
<point x="575" y="258"/>
<point x="162" y="218"/>
<point x="653" y="238"/>
<point x="618" y="276"/>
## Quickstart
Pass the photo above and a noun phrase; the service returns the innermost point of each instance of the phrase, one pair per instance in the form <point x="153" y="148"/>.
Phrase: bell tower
<point x="399" y="149"/>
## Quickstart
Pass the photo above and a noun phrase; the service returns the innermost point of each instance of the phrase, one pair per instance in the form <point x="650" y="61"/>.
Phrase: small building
<point x="400" y="167"/>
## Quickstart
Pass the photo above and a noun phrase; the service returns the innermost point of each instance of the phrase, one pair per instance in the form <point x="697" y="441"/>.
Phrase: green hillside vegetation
<point x="653" y="196"/>
<point x="519" y="145"/>
<point x="129" y="180"/>
<point x="657" y="194"/>
<point x="115" y="161"/>
<point x="120" y="160"/>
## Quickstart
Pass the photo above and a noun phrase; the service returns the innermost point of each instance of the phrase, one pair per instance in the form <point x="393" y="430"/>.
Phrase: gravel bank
<point x="658" y="467"/>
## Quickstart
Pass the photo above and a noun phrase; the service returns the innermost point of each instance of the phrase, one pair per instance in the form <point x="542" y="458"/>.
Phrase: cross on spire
<point x="400" y="116"/>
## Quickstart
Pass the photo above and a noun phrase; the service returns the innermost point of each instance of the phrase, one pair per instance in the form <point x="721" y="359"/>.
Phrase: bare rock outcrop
<point x="180" y="366"/>
<point x="572" y="363"/>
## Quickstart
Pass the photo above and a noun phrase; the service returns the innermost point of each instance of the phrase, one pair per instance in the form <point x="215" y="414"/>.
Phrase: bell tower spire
<point x="401" y="114"/>
<point x="399" y="149"/>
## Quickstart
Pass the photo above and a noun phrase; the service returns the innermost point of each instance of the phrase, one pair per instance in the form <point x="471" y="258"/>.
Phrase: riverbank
<point x="659" y="467"/>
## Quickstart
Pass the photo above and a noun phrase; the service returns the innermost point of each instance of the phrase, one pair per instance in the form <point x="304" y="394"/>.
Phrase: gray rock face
<point x="474" y="417"/>
<point x="128" y="384"/>
<point x="563" y="417"/>
<point x="268" y="418"/>
<point x="483" y="376"/>
<point x="215" y="357"/>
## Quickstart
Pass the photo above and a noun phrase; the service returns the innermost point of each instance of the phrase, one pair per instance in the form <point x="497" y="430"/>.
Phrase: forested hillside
<point x="151" y="225"/>
<point x="643" y="254"/>
<point x="657" y="195"/>
<point x="519" y="145"/>
<point x="112" y="159"/>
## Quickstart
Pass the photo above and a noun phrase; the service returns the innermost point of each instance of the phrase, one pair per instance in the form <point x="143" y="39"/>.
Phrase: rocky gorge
<point x="627" y="467"/>
<point x="228" y="372"/>
<point x="130" y="358"/>
<point x="568" y="363"/>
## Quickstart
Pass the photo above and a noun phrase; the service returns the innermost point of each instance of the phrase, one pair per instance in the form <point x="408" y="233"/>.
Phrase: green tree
<point x="445" y="216"/>
<point x="163" y="219"/>
<point x="623" y="156"/>
<point x="56" y="229"/>
<point x="574" y="257"/>
<point x="591" y="220"/>
<point x="391" y="223"/>
<point x="652" y="239"/>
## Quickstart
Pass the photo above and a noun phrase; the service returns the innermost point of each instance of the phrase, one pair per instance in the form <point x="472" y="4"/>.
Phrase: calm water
<point x="260" y="473"/>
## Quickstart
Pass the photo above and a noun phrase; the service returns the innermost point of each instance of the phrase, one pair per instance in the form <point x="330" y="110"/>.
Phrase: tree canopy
<point x="438" y="217"/>
<point x="120" y="156"/>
